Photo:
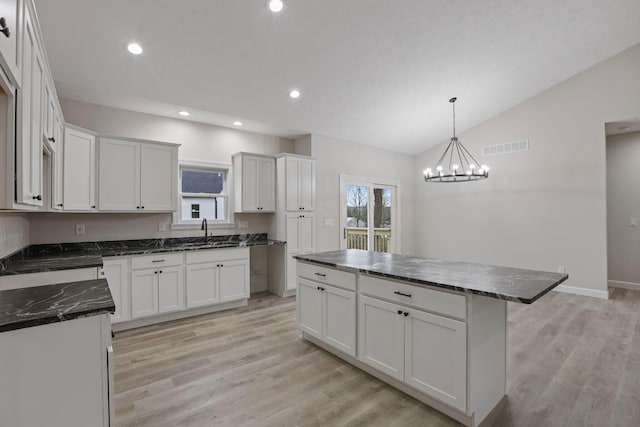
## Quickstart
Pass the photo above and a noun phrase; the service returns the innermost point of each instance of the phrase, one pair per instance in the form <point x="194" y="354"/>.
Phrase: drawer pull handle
<point x="321" y="274"/>
<point x="403" y="294"/>
<point x="158" y="260"/>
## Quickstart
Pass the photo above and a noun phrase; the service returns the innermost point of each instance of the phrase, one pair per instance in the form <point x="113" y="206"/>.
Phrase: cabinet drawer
<point x="427" y="299"/>
<point x="214" y="255"/>
<point x="339" y="278"/>
<point x="158" y="260"/>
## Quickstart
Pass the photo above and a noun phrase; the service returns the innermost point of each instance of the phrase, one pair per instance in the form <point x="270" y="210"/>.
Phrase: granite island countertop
<point x="68" y="256"/>
<point x="511" y="284"/>
<point x="40" y="305"/>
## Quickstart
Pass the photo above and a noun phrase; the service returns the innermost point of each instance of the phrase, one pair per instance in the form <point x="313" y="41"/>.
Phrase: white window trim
<point x="178" y="223"/>
<point x="364" y="180"/>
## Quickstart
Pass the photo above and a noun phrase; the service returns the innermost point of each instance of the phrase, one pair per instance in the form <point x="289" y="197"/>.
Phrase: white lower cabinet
<point x="381" y="336"/>
<point x="424" y="350"/>
<point x="435" y="356"/>
<point x="158" y="290"/>
<point x="217" y="276"/>
<point x="328" y="313"/>
<point x="116" y="271"/>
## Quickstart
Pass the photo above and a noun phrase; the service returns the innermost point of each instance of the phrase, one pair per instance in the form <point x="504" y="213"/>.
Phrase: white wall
<point x="542" y="208"/>
<point x="623" y="203"/>
<point x="14" y="232"/>
<point x="335" y="157"/>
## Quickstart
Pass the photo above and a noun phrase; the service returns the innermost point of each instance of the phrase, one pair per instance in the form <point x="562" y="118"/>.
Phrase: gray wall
<point x="542" y="208"/>
<point x="623" y="203"/>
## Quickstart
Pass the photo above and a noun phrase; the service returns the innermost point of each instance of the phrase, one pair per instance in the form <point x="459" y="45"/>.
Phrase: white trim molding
<point x="624" y="285"/>
<point x="582" y="291"/>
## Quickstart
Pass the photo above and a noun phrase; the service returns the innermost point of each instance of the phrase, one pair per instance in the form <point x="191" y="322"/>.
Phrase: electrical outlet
<point x="79" y="229"/>
<point x="162" y="226"/>
<point x="562" y="269"/>
<point x="243" y="224"/>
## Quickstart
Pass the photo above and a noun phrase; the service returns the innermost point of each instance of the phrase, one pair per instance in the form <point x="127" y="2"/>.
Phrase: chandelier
<point x="462" y="166"/>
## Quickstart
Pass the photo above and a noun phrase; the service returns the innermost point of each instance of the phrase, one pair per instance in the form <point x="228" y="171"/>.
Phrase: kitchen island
<point x="433" y="329"/>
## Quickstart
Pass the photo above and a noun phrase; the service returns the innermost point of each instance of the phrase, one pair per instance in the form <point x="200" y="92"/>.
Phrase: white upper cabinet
<point x="137" y="176"/>
<point x="29" y="114"/>
<point x="79" y="171"/>
<point x="9" y="30"/>
<point x="57" y="169"/>
<point x="255" y="182"/>
<point x="158" y="177"/>
<point x="300" y="183"/>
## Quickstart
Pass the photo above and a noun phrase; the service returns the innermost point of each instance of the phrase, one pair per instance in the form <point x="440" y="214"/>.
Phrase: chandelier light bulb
<point x="427" y="171"/>
<point x="439" y="168"/>
<point x="455" y="167"/>
<point x="469" y="172"/>
<point x="472" y="166"/>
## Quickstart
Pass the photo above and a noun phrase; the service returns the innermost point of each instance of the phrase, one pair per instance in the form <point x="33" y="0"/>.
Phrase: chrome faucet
<point x="204" y="226"/>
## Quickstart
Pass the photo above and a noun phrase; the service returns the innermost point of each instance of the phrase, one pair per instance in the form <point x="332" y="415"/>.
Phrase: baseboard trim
<point x="624" y="285"/>
<point x="582" y="291"/>
<point x="146" y="321"/>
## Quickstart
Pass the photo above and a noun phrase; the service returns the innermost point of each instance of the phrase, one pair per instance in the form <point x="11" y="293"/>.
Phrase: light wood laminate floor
<point x="573" y="361"/>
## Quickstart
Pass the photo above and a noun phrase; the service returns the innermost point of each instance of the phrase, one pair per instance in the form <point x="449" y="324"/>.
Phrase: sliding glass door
<point x="368" y="215"/>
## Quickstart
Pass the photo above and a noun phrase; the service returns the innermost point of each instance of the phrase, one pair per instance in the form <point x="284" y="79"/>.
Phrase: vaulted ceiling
<point x="371" y="71"/>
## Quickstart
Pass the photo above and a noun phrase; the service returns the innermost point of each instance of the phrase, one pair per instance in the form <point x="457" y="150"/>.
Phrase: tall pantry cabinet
<point x="294" y="220"/>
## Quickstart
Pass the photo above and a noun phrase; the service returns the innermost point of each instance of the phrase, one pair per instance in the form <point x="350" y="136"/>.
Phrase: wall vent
<point x="508" y="147"/>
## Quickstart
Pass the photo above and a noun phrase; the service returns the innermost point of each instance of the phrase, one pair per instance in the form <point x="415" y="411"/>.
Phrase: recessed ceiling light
<point x="294" y="94"/>
<point x="184" y="113"/>
<point x="134" y="48"/>
<point x="275" y="5"/>
<point x="237" y="123"/>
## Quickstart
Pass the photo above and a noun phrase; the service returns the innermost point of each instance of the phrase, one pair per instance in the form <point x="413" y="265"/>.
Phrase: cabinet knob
<point x="137" y="207"/>
<point x="60" y="205"/>
<point x="93" y="206"/>
<point x="51" y="139"/>
<point x="406" y="313"/>
<point x="38" y="197"/>
<point x="161" y="273"/>
<point x="399" y="311"/>
<point x="142" y="207"/>
<point x="4" y="29"/>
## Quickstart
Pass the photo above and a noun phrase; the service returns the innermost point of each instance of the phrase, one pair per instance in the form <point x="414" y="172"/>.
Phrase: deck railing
<point x="357" y="238"/>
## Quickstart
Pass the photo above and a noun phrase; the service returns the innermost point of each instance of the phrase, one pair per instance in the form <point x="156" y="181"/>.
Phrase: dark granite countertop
<point x="67" y="256"/>
<point x="39" y="305"/>
<point x="511" y="284"/>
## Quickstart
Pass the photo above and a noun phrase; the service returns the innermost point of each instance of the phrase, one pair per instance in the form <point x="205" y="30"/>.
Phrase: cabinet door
<point x="267" y="185"/>
<point x="119" y="175"/>
<point x="158" y="177"/>
<point x="202" y="287"/>
<point x="293" y="232"/>
<point x="29" y="137"/>
<point x="339" y="326"/>
<point x="116" y="271"/>
<point x="234" y="280"/>
<point x="309" y="301"/>
<point x="291" y="270"/>
<point x="292" y="178"/>
<point x="48" y="113"/>
<point x="170" y="289"/>
<point x="144" y="293"/>
<point x="250" y="178"/>
<point x="9" y="44"/>
<point x="381" y="336"/>
<point x="57" y="174"/>
<point x="79" y="177"/>
<point x="435" y="357"/>
<point x="307" y="184"/>
<point x="306" y="230"/>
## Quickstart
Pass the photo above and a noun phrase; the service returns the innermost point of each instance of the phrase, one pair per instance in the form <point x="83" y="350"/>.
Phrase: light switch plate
<point x="162" y="226"/>
<point x="243" y="224"/>
<point x="79" y="229"/>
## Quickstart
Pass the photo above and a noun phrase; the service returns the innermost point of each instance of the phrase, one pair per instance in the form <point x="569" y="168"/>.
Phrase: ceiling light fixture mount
<point x="184" y="113"/>
<point x="237" y="123"/>
<point x="463" y="167"/>
<point x="275" y="5"/>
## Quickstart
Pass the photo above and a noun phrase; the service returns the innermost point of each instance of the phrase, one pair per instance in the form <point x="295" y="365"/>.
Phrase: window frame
<point x="226" y="194"/>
